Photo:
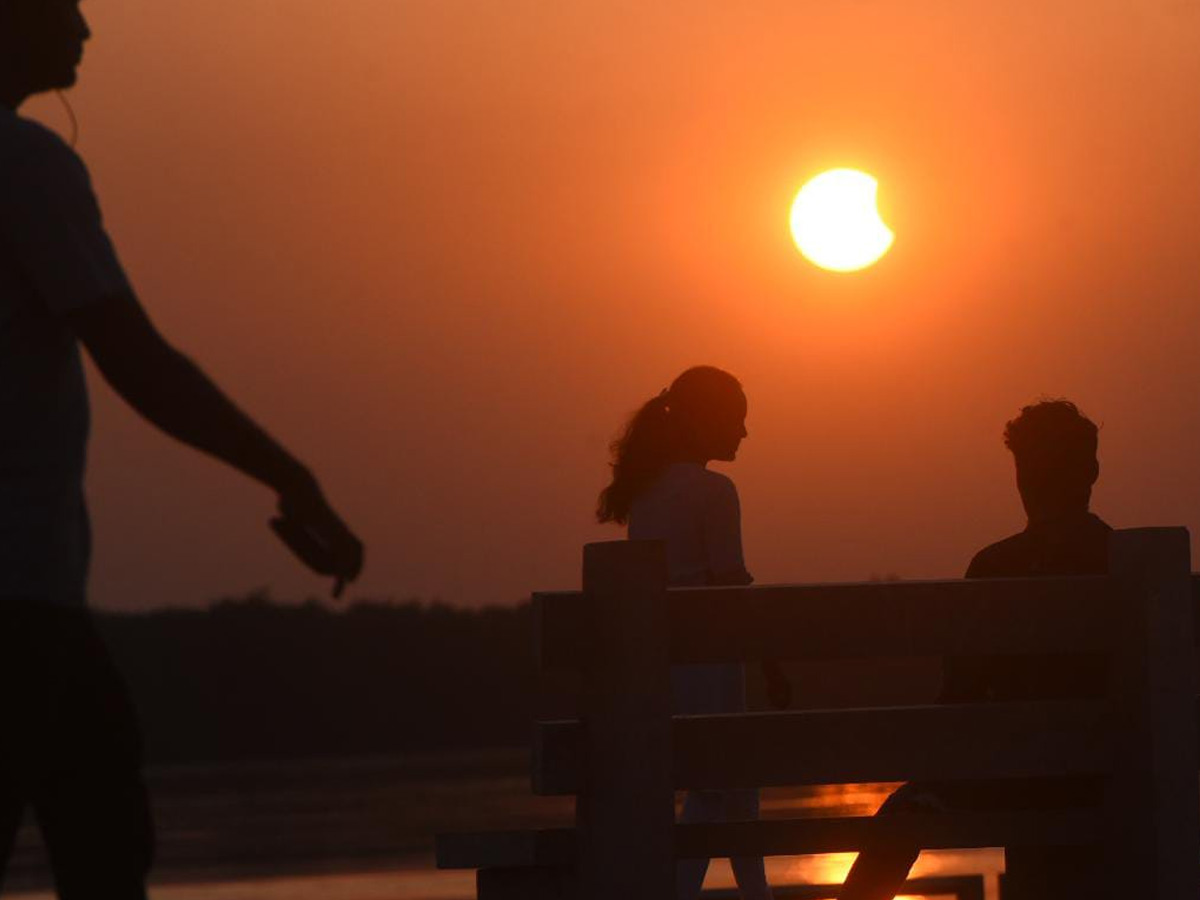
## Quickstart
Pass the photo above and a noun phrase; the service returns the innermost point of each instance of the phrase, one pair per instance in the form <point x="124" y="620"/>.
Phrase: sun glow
<point x="836" y="223"/>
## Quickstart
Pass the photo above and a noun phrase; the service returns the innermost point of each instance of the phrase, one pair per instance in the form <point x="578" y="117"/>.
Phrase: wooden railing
<point x="626" y="755"/>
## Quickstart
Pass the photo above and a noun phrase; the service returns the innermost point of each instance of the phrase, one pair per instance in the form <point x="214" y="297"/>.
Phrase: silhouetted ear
<point x="1093" y="472"/>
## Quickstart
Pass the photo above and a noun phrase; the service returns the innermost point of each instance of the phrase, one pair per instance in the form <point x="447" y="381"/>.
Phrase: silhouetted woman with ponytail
<point x="662" y="490"/>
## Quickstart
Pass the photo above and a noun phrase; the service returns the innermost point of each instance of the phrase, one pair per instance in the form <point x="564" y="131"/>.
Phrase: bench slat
<point x="857" y="621"/>
<point x="960" y="887"/>
<point x="930" y="831"/>
<point x="533" y="883"/>
<point x="947" y="743"/>
<point x="556" y="847"/>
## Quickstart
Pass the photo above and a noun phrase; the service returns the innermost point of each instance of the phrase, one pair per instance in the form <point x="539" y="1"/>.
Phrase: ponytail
<point x="657" y="433"/>
<point x="638" y="456"/>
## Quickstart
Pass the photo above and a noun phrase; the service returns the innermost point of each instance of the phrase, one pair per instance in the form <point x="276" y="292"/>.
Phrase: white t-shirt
<point x="54" y="258"/>
<point x="696" y="512"/>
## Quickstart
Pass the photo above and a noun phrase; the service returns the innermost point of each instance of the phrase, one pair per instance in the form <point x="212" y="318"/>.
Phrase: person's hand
<point x="318" y="537"/>
<point x="779" y="688"/>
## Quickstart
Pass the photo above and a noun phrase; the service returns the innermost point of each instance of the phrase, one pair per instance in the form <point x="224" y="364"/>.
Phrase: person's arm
<point x="723" y="534"/>
<point x="727" y="566"/>
<point x="51" y="227"/>
<point x="172" y="392"/>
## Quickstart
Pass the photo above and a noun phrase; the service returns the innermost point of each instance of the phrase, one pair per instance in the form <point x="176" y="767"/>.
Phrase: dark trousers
<point x="71" y="750"/>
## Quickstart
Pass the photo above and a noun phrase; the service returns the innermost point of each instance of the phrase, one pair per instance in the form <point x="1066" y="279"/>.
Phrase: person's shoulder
<point x="718" y="485"/>
<point x="697" y="477"/>
<point x="999" y="560"/>
<point x="21" y="135"/>
<point x="26" y="144"/>
<point x="718" y="481"/>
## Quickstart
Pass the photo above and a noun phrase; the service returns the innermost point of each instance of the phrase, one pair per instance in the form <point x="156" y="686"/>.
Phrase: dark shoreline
<point x="294" y="818"/>
<point x="258" y="820"/>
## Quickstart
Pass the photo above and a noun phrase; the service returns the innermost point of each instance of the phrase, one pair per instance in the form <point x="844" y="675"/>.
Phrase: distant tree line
<point x="249" y="678"/>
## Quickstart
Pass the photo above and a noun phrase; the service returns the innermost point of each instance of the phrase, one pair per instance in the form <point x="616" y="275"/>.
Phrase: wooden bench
<point x="626" y="755"/>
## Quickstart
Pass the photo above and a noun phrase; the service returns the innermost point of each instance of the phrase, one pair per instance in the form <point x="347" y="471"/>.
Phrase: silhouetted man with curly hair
<point x="1054" y="449"/>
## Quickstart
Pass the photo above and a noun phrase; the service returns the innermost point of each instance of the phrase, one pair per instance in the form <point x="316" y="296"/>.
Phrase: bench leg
<point x="1055" y="873"/>
<point x="526" y="884"/>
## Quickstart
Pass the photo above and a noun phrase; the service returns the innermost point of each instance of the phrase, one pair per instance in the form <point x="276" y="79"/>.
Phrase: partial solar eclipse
<point x="836" y="223"/>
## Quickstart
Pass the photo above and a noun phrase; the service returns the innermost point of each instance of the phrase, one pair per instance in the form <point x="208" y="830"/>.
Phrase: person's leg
<point x="23" y="707"/>
<point x="703" y="690"/>
<point x="12" y="808"/>
<point x="96" y="825"/>
<point x="697" y="690"/>
<point x="880" y="870"/>
<point x="90" y="801"/>
<point x="698" y="806"/>
<point x="879" y="873"/>
<point x="749" y="872"/>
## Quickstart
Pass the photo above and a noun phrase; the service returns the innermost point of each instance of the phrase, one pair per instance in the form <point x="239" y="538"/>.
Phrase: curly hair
<point x="1052" y="441"/>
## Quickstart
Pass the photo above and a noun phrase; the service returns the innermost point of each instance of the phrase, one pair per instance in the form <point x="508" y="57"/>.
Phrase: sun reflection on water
<point x="831" y="868"/>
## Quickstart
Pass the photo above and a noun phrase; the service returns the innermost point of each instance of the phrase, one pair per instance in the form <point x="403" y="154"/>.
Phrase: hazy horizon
<point x="442" y="248"/>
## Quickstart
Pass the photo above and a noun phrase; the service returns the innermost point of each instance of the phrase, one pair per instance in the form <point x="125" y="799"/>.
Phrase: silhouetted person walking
<point x="662" y="488"/>
<point x="1054" y="448"/>
<point x="70" y="744"/>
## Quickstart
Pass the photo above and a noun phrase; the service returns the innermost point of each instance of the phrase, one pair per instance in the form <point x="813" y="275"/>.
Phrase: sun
<point x="836" y="223"/>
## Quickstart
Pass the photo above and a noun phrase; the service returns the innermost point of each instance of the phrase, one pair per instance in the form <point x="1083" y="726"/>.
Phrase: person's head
<point x="1054" y="447"/>
<point x="41" y="45"/>
<point x="700" y="417"/>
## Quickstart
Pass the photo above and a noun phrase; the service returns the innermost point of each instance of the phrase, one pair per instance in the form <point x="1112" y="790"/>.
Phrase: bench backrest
<point x="627" y="754"/>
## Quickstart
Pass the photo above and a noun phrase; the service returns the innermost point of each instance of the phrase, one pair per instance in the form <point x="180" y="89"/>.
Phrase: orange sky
<point x="441" y="248"/>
